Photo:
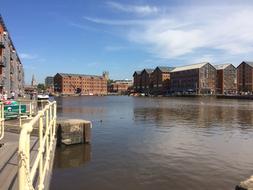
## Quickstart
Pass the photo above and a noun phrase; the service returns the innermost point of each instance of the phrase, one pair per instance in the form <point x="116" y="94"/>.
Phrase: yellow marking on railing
<point x="46" y="120"/>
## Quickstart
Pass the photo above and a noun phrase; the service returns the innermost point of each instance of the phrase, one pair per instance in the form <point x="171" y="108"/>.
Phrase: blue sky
<point x="92" y="36"/>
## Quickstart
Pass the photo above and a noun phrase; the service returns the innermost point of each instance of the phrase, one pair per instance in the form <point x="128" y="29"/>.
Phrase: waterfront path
<point x="27" y="152"/>
<point x="9" y="159"/>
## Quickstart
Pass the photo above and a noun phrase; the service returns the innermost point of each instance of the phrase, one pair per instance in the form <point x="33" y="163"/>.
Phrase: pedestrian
<point x="12" y="95"/>
<point x="5" y="96"/>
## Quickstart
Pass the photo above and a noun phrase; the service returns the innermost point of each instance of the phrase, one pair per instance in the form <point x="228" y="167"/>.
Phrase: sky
<point x="92" y="36"/>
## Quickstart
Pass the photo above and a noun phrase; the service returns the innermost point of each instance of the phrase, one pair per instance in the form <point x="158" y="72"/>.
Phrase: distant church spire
<point x="33" y="83"/>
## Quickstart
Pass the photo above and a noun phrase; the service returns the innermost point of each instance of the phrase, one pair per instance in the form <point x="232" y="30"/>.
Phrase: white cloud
<point x="228" y="30"/>
<point x="221" y="31"/>
<point x="116" y="22"/>
<point x="138" y="9"/>
<point x="27" y="56"/>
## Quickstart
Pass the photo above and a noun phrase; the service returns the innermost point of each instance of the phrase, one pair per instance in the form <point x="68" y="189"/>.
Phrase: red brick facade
<point x="146" y="85"/>
<point x="245" y="77"/>
<point x="121" y="86"/>
<point x="226" y="79"/>
<point x="137" y="81"/>
<point x="81" y="84"/>
<point x="160" y="80"/>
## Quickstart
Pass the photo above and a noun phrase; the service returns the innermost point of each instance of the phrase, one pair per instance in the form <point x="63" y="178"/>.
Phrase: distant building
<point x="29" y="89"/>
<point x="160" y="80"/>
<point x="66" y="83"/>
<point x="245" y="77"/>
<point x="226" y="79"/>
<point x="33" y="82"/>
<point x="120" y="86"/>
<point x="49" y="81"/>
<point x="11" y="69"/>
<point x="146" y="80"/>
<point x="49" y="84"/>
<point x="137" y="81"/>
<point x="197" y="78"/>
<point x="106" y="75"/>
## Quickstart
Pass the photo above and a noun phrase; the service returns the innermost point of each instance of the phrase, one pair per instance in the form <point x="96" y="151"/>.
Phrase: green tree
<point x="41" y="87"/>
<point x="109" y="82"/>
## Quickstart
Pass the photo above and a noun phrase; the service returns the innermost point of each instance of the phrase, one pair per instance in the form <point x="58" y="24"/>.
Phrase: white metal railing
<point x="45" y="121"/>
<point x="31" y="109"/>
<point x="1" y="120"/>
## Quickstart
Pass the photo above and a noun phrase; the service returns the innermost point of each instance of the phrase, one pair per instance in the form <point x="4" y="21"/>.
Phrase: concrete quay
<point x="246" y="185"/>
<point x="73" y="131"/>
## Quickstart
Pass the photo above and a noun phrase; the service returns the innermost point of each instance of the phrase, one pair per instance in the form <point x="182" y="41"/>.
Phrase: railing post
<point x="24" y="159"/>
<point x="19" y="112"/>
<point x="30" y="114"/>
<point x="1" y="120"/>
<point x="54" y="127"/>
<point x="27" y="149"/>
<point x="46" y="119"/>
<point x="41" y="185"/>
<point x="47" y="135"/>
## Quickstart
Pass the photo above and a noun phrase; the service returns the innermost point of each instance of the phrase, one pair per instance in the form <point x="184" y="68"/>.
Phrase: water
<point x="157" y="143"/>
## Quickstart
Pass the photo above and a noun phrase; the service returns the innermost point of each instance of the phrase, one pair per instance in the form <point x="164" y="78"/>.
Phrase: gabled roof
<point x="250" y="63"/>
<point x="189" y="67"/>
<point x="149" y="71"/>
<point x="137" y="72"/>
<point x="165" y="69"/>
<point x="77" y="75"/>
<point x="222" y="66"/>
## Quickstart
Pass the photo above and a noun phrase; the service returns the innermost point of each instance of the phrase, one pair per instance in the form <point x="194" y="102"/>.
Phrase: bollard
<point x="74" y="131"/>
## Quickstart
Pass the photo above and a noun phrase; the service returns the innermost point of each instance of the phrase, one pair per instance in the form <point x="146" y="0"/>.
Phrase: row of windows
<point x="85" y="86"/>
<point x="85" y="91"/>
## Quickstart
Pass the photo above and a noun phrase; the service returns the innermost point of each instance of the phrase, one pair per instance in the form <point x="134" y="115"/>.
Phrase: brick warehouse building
<point x="160" y="80"/>
<point x="120" y="86"/>
<point x="197" y="78"/>
<point x="66" y="83"/>
<point x="146" y="85"/>
<point x="137" y="81"/>
<point x="226" y="79"/>
<point x="245" y="77"/>
<point x="11" y="69"/>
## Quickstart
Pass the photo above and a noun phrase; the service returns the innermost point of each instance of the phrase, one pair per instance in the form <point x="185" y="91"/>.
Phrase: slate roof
<point x="77" y="75"/>
<point x="249" y="63"/>
<point x="222" y="66"/>
<point x="149" y="71"/>
<point x="189" y="67"/>
<point x="165" y="69"/>
<point x="137" y="72"/>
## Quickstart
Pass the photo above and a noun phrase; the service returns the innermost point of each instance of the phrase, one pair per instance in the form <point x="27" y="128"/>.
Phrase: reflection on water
<point x="202" y="115"/>
<point x="158" y="143"/>
<point x="72" y="156"/>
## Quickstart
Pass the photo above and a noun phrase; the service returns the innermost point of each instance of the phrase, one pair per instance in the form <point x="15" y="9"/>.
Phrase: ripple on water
<point x="159" y="143"/>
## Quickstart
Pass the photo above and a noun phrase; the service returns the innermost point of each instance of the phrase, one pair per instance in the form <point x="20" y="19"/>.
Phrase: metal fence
<point x="45" y="122"/>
